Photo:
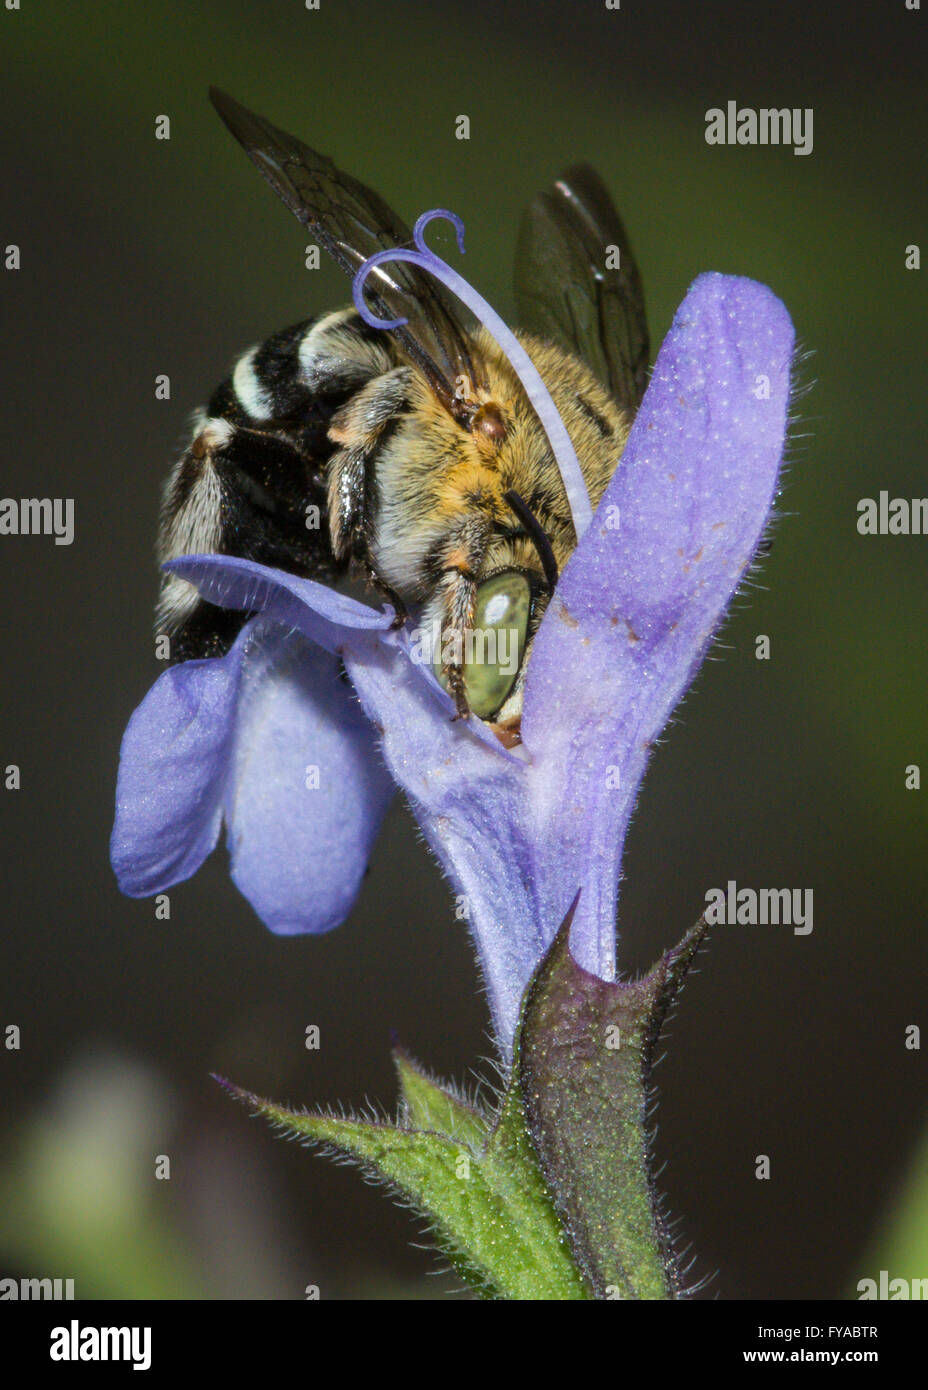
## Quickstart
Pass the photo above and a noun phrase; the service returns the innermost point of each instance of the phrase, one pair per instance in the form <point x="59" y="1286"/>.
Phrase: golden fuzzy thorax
<point x="438" y="482"/>
<point x="443" y="524"/>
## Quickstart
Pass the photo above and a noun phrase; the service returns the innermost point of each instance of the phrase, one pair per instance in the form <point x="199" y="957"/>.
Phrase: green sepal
<point x="585" y="1053"/>
<point x="479" y="1187"/>
<point x="430" y="1106"/>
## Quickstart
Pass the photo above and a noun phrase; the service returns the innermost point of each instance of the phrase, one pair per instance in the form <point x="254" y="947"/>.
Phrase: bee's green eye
<point x="492" y="649"/>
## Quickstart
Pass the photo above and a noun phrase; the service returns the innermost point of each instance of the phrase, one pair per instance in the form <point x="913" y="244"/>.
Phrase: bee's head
<point x="493" y="650"/>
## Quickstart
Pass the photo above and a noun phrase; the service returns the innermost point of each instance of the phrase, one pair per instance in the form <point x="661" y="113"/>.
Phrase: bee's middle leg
<point x="360" y="429"/>
<point x="352" y="524"/>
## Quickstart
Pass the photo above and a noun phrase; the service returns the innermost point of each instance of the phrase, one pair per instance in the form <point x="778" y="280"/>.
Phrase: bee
<point x="412" y="458"/>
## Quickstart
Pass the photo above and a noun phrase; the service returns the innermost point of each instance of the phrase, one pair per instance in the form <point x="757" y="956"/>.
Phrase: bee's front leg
<point x="458" y="605"/>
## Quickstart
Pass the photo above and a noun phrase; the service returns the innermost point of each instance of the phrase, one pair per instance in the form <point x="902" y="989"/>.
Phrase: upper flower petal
<point x="647" y="586"/>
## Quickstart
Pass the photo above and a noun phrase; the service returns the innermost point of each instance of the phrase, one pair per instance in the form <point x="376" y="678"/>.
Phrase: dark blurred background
<point x="142" y="257"/>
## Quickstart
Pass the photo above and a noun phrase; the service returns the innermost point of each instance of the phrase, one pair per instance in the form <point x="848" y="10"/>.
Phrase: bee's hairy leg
<point x="458" y="604"/>
<point x="348" y="513"/>
<point x="360" y="429"/>
<point x="350" y="524"/>
<point x="450" y="571"/>
<point x="458" y="693"/>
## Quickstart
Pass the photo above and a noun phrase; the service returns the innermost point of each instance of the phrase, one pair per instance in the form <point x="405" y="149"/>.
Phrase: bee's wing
<point x="352" y="222"/>
<point x="565" y="292"/>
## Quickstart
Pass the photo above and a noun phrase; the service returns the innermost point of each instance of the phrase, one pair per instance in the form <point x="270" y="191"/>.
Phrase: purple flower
<point x="517" y="831"/>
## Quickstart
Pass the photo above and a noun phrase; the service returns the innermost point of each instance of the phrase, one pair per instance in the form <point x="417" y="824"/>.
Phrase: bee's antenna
<point x="538" y="536"/>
